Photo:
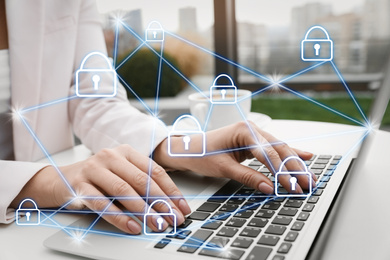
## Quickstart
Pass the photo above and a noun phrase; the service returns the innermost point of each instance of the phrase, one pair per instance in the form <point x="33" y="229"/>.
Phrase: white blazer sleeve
<point x="13" y="177"/>
<point x="107" y="122"/>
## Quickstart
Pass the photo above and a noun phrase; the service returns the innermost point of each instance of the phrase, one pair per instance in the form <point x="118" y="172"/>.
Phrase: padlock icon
<point x="189" y="147"/>
<point x="317" y="49"/>
<point x="154" y="32"/>
<point x="96" y="82"/>
<point x="158" y="219"/>
<point x="32" y="215"/>
<point x="223" y="94"/>
<point x="293" y="181"/>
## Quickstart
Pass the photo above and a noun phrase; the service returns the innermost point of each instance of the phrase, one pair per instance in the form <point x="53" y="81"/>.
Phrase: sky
<point x="268" y="12"/>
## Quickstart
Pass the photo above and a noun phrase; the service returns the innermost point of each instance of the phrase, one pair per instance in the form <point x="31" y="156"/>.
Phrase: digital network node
<point x="223" y="94"/>
<point x="189" y="147"/>
<point x="292" y="177"/>
<point x="312" y="49"/>
<point x="96" y="77"/>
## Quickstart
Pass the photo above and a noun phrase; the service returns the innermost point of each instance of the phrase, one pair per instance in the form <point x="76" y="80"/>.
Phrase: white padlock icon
<point x="223" y="94"/>
<point x="33" y="215"/>
<point x="159" y="219"/>
<point x="155" y="34"/>
<point x="95" y="77"/>
<point x="187" y="148"/>
<point x="317" y="49"/>
<point x="293" y="179"/>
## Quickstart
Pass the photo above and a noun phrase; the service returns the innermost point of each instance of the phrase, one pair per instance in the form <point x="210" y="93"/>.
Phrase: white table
<point x="23" y="242"/>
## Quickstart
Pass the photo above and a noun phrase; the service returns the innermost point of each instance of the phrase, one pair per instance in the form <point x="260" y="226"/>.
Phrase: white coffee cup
<point x="221" y="114"/>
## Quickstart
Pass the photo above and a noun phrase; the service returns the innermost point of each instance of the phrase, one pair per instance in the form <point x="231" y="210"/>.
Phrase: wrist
<point x="170" y="163"/>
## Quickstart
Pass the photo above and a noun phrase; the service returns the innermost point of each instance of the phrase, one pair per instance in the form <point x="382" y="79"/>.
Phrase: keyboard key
<point x="163" y="243"/>
<point x="324" y="156"/>
<point x="221" y="216"/>
<point x="308" y="207"/>
<point x="303" y="216"/>
<point x="329" y="172"/>
<point x="233" y="254"/>
<point x="244" y="214"/>
<point x="337" y="157"/>
<point x="293" y="203"/>
<point x="318" y="166"/>
<point x="278" y="257"/>
<point x="195" y="241"/>
<point x="223" y="193"/>
<point x="208" y="207"/>
<point x="321" y="185"/>
<point x="322" y="161"/>
<point x="258" y="198"/>
<point x="265" y="213"/>
<point x="250" y="232"/>
<point x="227" y="232"/>
<point x="297" y="226"/>
<point x="275" y="230"/>
<point x="280" y="199"/>
<point x="279" y="220"/>
<point x="243" y="192"/>
<point x="316" y="171"/>
<point x="332" y="167"/>
<point x="235" y="222"/>
<point x="229" y="207"/>
<point x="264" y="170"/>
<point x="212" y="225"/>
<point x="291" y="236"/>
<point x="271" y="205"/>
<point x="183" y="234"/>
<point x="334" y="162"/>
<point x="255" y="162"/>
<point x="259" y="253"/>
<point x="219" y="242"/>
<point x="317" y="192"/>
<point x="242" y="242"/>
<point x="313" y="199"/>
<point x="284" y="248"/>
<point x="257" y="222"/>
<point x="199" y="215"/>
<point x="185" y="224"/>
<point x="236" y="200"/>
<point x="288" y="212"/>
<point x="254" y="167"/>
<point x="251" y="205"/>
<point x="268" y="240"/>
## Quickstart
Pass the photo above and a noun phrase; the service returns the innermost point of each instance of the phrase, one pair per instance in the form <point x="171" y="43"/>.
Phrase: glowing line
<point x="321" y="105"/>
<point x="96" y="220"/>
<point x="158" y="79"/>
<point x="129" y="56"/>
<point x="58" y="210"/>
<point x="256" y="92"/>
<point x="58" y="225"/>
<point x="349" y="92"/>
<point x="46" y="153"/>
<point x="206" y="123"/>
<point x="301" y="72"/>
<point x="47" y="104"/>
<point x="135" y="94"/>
<point x="116" y="42"/>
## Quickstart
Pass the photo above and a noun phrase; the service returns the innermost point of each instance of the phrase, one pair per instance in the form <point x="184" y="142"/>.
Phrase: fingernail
<point x="179" y="217"/>
<point x="265" y="188"/>
<point x="133" y="227"/>
<point x="184" y="207"/>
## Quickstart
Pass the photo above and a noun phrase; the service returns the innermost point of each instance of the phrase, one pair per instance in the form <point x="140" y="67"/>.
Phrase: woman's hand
<point x="222" y="163"/>
<point x="119" y="172"/>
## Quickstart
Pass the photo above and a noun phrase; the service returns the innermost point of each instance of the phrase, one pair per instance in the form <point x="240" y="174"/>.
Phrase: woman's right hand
<point x="118" y="172"/>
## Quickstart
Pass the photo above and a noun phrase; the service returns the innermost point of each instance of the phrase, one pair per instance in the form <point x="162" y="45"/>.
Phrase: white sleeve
<point x="13" y="177"/>
<point x="107" y="122"/>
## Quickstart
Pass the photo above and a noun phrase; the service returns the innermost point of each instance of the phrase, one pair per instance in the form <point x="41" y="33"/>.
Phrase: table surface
<point x="25" y="242"/>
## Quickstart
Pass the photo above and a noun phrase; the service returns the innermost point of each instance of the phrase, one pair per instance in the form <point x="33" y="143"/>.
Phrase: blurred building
<point x="187" y="20"/>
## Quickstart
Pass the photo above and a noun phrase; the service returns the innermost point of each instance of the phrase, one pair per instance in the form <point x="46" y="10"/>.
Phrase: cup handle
<point x="200" y="112"/>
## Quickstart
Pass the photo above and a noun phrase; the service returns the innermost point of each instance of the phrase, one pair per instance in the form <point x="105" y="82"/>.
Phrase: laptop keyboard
<point x="237" y="219"/>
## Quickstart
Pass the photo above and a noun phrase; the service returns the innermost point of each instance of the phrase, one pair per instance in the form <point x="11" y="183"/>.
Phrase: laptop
<point x="232" y="221"/>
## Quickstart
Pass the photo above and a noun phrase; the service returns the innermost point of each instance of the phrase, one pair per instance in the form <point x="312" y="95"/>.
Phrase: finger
<point x="285" y="152"/>
<point x="249" y="177"/>
<point x="303" y="154"/>
<point x="159" y="175"/>
<point x="112" y="214"/>
<point x="140" y="181"/>
<point x="114" y="186"/>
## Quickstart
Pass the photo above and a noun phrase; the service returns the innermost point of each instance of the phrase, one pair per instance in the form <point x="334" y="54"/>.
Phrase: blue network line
<point x="161" y="58"/>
